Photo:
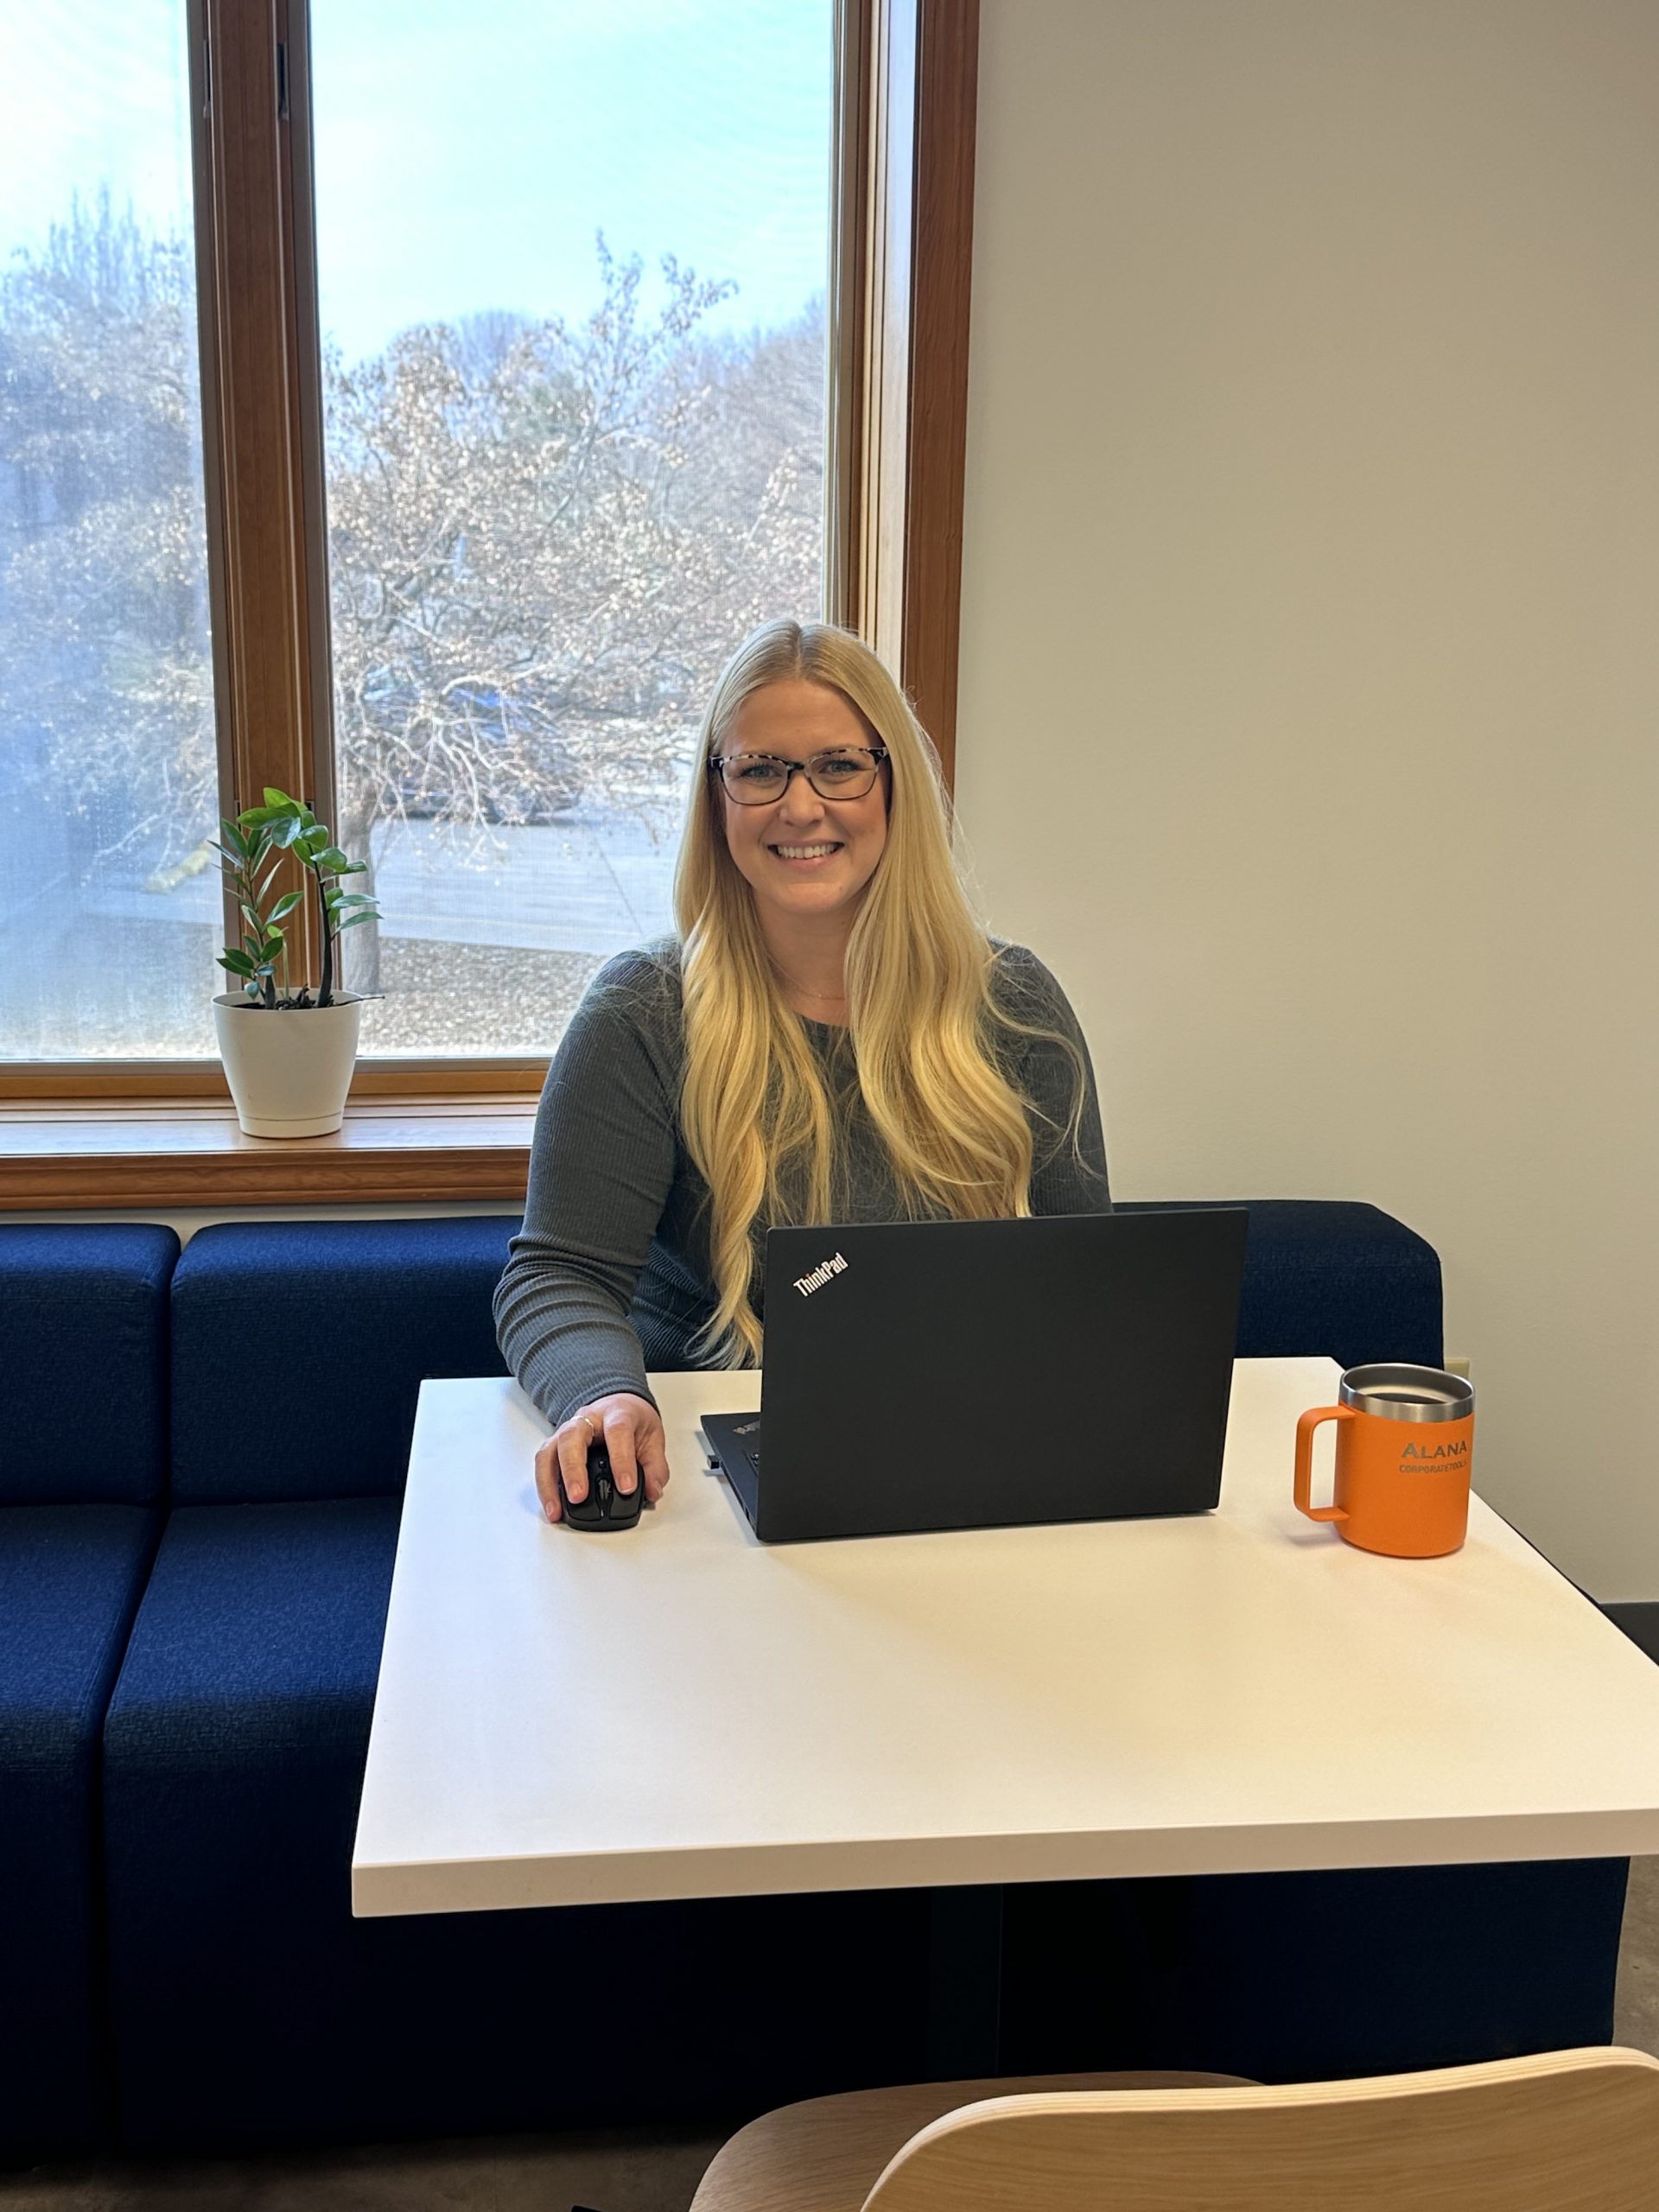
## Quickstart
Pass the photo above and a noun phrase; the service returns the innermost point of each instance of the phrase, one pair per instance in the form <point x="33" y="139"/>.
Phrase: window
<point x="106" y="688"/>
<point x="573" y="405"/>
<point x="450" y="597"/>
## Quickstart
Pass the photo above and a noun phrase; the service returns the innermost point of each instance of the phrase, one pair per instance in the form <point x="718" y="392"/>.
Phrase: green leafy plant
<point x="250" y="851"/>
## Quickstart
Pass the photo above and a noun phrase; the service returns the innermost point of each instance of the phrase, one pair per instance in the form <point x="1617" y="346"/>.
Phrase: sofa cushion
<point x="83" y="1361"/>
<point x="250" y="2006"/>
<point x="365" y="1310"/>
<point x="355" y="1313"/>
<point x="1327" y="1276"/>
<point x="69" y="1582"/>
<point x="259" y="1635"/>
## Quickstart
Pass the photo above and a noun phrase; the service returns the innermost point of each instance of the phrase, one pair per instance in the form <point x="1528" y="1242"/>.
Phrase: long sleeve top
<point x="610" y="1274"/>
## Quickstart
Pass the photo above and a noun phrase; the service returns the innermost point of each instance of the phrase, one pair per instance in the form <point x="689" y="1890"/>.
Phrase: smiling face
<point x="807" y="860"/>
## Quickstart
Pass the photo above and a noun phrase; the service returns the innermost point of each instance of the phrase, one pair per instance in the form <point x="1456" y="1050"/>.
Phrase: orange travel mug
<point x="1405" y="1437"/>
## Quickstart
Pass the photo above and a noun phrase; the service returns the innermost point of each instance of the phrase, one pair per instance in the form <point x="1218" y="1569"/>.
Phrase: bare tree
<point x="544" y="537"/>
<point x="103" y="579"/>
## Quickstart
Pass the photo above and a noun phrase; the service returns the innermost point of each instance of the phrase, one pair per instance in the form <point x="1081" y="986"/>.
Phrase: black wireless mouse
<point x="605" y="1505"/>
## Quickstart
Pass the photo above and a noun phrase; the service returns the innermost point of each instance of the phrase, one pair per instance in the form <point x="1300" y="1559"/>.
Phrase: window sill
<point x="70" y="1153"/>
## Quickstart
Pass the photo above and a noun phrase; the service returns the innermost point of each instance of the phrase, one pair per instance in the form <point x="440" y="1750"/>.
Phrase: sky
<point x="466" y="153"/>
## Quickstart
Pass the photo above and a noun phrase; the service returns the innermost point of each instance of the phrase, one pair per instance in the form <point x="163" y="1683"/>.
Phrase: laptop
<point x="935" y="1375"/>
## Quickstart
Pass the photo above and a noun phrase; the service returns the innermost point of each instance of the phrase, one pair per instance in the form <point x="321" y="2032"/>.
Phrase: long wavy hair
<point x="758" y="1114"/>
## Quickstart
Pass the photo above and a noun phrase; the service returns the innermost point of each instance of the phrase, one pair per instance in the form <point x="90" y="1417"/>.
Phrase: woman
<point x="831" y="1037"/>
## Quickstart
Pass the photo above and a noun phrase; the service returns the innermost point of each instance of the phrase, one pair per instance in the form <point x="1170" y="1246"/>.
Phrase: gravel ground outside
<point x="469" y="1000"/>
<point x="488" y="945"/>
<point x="472" y="999"/>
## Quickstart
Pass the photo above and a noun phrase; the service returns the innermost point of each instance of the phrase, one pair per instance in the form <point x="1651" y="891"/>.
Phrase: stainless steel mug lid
<point x="1399" y="1392"/>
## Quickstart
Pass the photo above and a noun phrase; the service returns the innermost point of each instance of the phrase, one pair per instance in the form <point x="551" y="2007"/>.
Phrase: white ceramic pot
<point x="288" y="1068"/>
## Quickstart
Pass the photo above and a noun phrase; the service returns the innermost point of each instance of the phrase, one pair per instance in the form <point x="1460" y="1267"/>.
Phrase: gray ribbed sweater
<point x="610" y="1274"/>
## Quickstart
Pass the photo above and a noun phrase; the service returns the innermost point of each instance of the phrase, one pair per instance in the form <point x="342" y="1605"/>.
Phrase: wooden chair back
<point x="1575" y="2131"/>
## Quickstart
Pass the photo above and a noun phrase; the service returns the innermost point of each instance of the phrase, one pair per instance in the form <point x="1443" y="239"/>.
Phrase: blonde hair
<point x="755" y="1108"/>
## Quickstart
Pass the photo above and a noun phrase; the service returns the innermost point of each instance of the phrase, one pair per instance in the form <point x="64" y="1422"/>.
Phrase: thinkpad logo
<point x="807" y="1284"/>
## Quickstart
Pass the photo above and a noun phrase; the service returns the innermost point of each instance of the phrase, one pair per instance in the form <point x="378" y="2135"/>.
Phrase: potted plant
<point x="288" y="1053"/>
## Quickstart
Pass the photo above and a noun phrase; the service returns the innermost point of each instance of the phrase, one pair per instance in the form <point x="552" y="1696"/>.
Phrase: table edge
<point x="384" y="1890"/>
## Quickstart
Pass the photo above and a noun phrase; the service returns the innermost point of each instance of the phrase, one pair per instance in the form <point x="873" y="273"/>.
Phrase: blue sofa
<point x="83" y="1471"/>
<point x="198" y="1505"/>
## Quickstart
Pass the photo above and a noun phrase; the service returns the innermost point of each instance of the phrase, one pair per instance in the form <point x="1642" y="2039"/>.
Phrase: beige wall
<point x="1311" y="646"/>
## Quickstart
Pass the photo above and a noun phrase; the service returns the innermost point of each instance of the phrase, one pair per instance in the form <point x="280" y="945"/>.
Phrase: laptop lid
<point x="952" y="1375"/>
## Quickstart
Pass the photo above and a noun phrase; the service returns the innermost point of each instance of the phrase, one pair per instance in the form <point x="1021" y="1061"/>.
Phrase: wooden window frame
<point x="898" y="297"/>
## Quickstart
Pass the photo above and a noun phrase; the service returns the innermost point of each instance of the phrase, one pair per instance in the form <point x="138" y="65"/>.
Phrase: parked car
<point x="537" y="781"/>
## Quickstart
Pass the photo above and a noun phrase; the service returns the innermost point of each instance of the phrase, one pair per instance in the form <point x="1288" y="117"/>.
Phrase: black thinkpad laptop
<point x="979" y="1373"/>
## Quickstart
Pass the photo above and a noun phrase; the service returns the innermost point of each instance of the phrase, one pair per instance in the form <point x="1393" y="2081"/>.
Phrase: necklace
<point x="825" y="997"/>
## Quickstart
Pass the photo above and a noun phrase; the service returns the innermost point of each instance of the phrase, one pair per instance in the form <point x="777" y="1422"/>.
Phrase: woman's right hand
<point x="630" y="1428"/>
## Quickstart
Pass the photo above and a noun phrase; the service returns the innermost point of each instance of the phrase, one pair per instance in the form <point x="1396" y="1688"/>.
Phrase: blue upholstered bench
<point x="83" y="1455"/>
<point x="248" y="2006"/>
<point x="1331" y="1276"/>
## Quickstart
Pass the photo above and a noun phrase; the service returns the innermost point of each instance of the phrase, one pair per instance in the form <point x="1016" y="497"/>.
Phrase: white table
<point x="682" y="1712"/>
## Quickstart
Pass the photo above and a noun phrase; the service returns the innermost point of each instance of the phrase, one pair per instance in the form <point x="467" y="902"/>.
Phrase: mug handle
<point x="1305" y="1428"/>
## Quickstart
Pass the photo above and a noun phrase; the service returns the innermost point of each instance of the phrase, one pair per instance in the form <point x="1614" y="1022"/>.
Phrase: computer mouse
<point x="605" y="1505"/>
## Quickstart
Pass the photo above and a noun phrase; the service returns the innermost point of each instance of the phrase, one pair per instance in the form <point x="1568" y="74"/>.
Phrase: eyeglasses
<point x="758" y="779"/>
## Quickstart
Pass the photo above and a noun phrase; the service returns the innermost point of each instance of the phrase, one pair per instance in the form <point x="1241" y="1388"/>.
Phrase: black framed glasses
<point x="758" y="779"/>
